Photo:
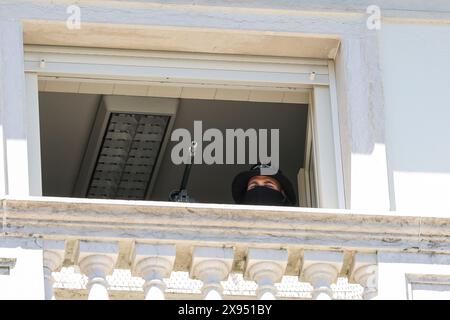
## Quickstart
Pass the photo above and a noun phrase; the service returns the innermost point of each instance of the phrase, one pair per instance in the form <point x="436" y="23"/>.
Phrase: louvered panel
<point x="126" y="147"/>
<point x="127" y="156"/>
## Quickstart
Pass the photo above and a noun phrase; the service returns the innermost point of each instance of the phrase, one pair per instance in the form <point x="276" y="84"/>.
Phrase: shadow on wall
<point x="417" y="95"/>
<point x="397" y="101"/>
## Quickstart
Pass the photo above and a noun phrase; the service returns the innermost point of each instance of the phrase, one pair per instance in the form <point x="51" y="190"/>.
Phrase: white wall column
<point x="266" y="267"/>
<point x="362" y="123"/>
<point x="53" y="258"/>
<point x="321" y="269"/>
<point x="211" y="265"/>
<point x="153" y="263"/>
<point x="33" y="134"/>
<point x="329" y="174"/>
<point x="14" y="151"/>
<point x="365" y="273"/>
<point x="96" y="261"/>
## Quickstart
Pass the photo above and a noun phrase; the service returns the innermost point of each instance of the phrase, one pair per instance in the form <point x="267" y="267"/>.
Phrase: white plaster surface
<point x="26" y="278"/>
<point x="416" y="78"/>
<point x="394" y="270"/>
<point x="393" y="90"/>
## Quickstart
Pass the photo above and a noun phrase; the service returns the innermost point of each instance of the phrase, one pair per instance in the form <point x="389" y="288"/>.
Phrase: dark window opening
<point x="67" y="119"/>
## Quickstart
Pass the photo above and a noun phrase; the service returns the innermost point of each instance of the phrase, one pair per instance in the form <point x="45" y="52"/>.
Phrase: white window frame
<point x="201" y="70"/>
<point x="429" y="282"/>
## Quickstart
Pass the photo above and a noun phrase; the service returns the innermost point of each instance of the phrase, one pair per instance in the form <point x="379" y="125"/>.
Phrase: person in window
<point x="253" y="188"/>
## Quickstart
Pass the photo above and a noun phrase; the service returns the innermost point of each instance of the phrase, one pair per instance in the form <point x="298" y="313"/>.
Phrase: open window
<point x="83" y="97"/>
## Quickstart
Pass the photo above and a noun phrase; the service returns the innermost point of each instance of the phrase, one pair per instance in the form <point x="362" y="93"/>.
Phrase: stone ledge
<point x="212" y="224"/>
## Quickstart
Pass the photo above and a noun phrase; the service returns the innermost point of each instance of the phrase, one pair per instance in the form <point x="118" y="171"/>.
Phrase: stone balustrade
<point x="211" y="265"/>
<point x="211" y="242"/>
<point x="153" y="263"/>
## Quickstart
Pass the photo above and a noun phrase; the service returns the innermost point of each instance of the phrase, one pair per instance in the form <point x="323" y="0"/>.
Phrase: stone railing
<point x="153" y="239"/>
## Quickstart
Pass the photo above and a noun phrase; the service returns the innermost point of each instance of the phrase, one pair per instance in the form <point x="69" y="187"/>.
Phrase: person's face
<point x="264" y="181"/>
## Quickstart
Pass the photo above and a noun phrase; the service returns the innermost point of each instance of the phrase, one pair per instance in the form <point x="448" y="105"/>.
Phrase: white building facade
<point x="373" y="221"/>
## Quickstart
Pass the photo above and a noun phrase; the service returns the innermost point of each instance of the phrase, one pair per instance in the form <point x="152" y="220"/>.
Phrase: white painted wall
<point x="361" y="116"/>
<point x="26" y="279"/>
<point x="412" y="276"/>
<point x="15" y="109"/>
<point x="420" y="172"/>
<point x="415" y="62"/>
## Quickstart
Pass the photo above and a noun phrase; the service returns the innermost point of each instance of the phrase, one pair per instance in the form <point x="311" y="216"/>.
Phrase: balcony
<point x="107" y="249"/>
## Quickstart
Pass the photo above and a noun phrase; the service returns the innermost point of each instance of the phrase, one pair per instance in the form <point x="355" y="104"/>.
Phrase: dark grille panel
<point x="128" y="155"/>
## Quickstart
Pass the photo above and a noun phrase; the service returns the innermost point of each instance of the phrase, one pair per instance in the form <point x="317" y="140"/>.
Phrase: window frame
<point x="270" y="74"/>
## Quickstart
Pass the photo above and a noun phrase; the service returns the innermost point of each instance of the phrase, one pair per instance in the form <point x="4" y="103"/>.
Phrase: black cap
<point x="240" y="183"/>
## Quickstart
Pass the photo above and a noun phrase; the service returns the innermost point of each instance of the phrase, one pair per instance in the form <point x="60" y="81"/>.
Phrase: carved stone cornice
<point x="232" y="225"/>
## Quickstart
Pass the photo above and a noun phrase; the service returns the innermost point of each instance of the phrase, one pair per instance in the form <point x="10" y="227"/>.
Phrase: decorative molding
<point x="96" y="260"/>
<point x="153" y="263"/>
<point x="53" y="257"/>
<point x="211" y="266"/>
<point x="266" y="267"/>
<point x="6" y="264"/>
<point x="366" y="276"/>
<point x="232" y="225"/>
<point x="365" y="273"/>
<point x="321" y="269"/>
<point x="53" y="254"/>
